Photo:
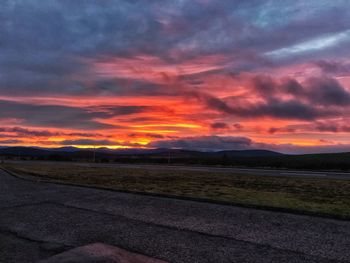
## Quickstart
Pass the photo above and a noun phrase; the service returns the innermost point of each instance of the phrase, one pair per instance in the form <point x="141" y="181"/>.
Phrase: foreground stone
<point x="100" y="253"/>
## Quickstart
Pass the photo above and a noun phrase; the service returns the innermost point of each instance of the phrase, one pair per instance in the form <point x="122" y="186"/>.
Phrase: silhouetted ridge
<point x="244" y="158"/>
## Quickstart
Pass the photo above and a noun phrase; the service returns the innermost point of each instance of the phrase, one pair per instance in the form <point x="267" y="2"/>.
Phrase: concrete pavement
<point x="39" y="220"/>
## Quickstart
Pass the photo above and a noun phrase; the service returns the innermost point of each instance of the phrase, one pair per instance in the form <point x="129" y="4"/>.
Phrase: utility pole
<point x="94" y="156"/>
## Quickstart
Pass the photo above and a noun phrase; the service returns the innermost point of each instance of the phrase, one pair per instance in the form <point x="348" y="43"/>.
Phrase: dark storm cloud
<point x="272" y="107"/>
<point x="316" y="97"/>
<point x="331" y="127"/>
<point x="333" y="67"/>
<point x="219" y="125"/>
<point x="44" y="44"/>
<point x="206" y="143"/>
<point x="149" y="135"/>
<point x="10" y="141"/>
<point x="125" y="87"/>
<point x="289" y="109"/>
<point x="268" y="87"/>
<point x="19" y="131"/>
<point x="26" y="132"/>
<point x="64" y="116"/>
<point x="327" y="91"/>
<point x="324" y="91"/>
<point x="52" y="116"/>
<point x="217" y="143"/>
<point x="55" y="49"/>
<point x="90" y="142"/>
<point x="112" y="110"/>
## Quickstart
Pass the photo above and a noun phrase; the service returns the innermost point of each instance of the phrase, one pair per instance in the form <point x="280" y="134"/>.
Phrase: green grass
<point x="317" y="196"/>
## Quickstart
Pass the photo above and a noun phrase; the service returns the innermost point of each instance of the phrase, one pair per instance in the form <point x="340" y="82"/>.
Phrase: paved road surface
<point x="38" y="220"/>
<point x="249" y="171"/>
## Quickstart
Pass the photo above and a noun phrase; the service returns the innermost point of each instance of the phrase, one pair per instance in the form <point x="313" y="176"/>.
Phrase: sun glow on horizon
<point x="177" y="74"/>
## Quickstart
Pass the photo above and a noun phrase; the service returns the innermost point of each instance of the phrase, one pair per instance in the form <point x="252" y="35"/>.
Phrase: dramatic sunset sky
<point x="194" y="74"/>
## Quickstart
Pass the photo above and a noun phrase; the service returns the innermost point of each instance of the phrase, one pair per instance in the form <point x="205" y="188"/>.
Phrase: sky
<point x="194" y="74"/>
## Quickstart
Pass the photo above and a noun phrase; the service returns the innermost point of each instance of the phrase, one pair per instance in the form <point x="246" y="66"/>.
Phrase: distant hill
<point x="250" y="153"/>
<point x="244" y="158"/>
<point x="23" y="151"/>
<point x="36" y="151"/>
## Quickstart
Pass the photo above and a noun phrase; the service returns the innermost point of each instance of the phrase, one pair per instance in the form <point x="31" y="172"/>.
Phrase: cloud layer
<point x="149" y="74"/>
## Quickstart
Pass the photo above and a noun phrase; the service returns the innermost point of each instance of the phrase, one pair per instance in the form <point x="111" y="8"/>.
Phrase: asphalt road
<point x="38" y="220"/>
<point x="248" y="171"/>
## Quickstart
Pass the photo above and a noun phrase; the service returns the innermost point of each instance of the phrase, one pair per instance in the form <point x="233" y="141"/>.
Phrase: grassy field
<point x="318" y="196"/>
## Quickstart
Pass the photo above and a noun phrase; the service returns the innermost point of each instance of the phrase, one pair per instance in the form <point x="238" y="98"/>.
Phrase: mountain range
<point x="37" y="151"/>
<point x="241" y="158"/>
